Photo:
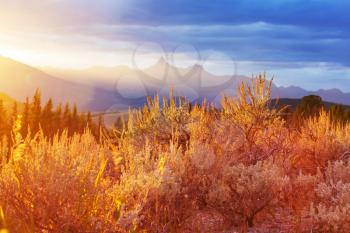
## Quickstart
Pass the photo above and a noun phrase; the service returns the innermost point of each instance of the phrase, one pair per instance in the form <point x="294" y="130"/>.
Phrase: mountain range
<point x="19" y="81"/>
<point x="110" y="88"/>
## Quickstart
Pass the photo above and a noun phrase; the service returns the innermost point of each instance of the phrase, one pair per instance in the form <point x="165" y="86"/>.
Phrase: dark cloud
<point x="254" y="41"/>
<point x="287" y="30"/>
<point x="312" y="13"/>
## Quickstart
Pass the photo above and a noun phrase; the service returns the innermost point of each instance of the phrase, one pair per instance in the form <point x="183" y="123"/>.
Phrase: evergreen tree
<point x="89" y="121"/>
<point x="82" y="122"/>
<point x="26" y="118"/>
<point x="14" y="114"/>
<point x="100" y="127"/>
<point x="338" y="113"/>
<point x="309" y="106"/>
<point x="58" y="122"/>
<point x="66" y="119"/>
<point x="119" y="124"/>
<point x="74" y="124"/>
<point x="47" y="119"/>
<point x="4" y="126"/>
<point x="35" y="114"/>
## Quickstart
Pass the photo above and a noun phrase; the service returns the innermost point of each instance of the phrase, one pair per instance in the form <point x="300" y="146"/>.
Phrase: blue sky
<point x="304" y="43"/>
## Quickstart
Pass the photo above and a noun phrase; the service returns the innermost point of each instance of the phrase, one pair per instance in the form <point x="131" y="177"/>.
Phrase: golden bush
<point x="182" y="168"/>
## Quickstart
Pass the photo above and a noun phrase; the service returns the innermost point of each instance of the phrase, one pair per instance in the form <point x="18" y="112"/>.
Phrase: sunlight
<point x="13" y="53"/>
<point x="174" y="116"/>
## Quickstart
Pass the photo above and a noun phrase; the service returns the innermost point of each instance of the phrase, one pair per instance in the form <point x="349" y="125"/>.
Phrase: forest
<point x="48" y="119"/>
<point x="176" y="167"/>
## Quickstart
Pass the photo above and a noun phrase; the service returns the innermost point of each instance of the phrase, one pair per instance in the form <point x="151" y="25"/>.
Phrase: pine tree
<point x="100" y="126"/>
<point x="89" y="122"/>
<point x="4" y="127"/>
<point x="35" y="113"/>
<point x="66" y="119"/>
<point x="309" y="106"/>
<point x="47" y="118"/>
<point x="26" y="118"/>
<point x="82" y="122"/>
<point x="58" y="123"/>
<point x="74" y="124"/>
<point x="338" y="114"/>
<point x="119" y="124"/>
<point x="14" y="113"/>
<point x="101" y="121"/>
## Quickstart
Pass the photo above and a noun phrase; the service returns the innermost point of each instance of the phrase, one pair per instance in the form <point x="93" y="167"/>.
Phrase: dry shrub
<point x="320" y="140"/>
<point x="263" y="129"/>
<point x="245" y="192"/>
<point x="177" y="168"/>
<point x="233" y="156"/>
<point x="148" y="190"/>
<point x="330" y="210"/>
<point x="56" y="187"/>
<point x="159" y="121"/>
<point x="164" y="181"/>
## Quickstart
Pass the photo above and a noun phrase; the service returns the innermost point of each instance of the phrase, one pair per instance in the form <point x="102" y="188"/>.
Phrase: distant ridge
<point x="20" y="81"/>
<point x="293" y="103"/>
<point x="330" y="95"/>
<point x="102" y="88"/>
<point x="105" y="78"/>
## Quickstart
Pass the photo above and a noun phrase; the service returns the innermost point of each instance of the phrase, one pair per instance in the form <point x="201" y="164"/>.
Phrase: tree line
<point x="48" y="118"/>
<point x="52" y="119"/>
<point x="311" y="106"/>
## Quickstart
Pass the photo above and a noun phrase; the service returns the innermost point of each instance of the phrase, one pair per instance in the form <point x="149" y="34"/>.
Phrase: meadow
<point x="177" y="167"/>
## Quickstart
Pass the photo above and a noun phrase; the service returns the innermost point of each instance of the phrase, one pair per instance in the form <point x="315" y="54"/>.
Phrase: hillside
<point x="7" y="100"/>
<point x="20" y="81"/>
<point x="127" y="84"/>
<point x="104" y="88"/>
<point x="293" y="103"/>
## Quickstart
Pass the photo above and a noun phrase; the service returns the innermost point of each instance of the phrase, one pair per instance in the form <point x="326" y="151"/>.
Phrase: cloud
<point x="313" y="13"/>
<point x="281" y="36"/>
<point x="253" y="41"/>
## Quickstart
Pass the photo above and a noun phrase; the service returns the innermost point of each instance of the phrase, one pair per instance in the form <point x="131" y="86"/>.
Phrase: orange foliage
<point x="182" y="168"/>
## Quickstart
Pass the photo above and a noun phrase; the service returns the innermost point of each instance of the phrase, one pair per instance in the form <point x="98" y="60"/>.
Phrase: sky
<point x="300" y="42"/>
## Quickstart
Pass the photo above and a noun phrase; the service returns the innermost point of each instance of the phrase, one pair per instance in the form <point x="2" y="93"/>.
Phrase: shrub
<point x="159" y="121"/>
<point x="178" y="168"/>
<point x="263" y="129"/>
<point x="56" y="187"/>
<point x="245" y="192"/>
<point x="330" y="210"/>
<point x="320" y="140"/>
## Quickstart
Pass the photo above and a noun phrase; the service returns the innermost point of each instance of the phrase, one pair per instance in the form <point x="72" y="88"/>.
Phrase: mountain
<point x="293" y="103"/>
<point x="113" y="89"/>
<point x="130" y="85"/>
<point x="329" y="95"/>
<point x="20" y="81"/>
<point x="194" y="82"/>
<point x="94" y="76"/>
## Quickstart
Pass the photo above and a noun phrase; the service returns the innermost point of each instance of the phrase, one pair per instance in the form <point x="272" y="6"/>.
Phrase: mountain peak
<point x="332" y="90"/>
<point x="162" y="61"/>
<point x="160" y="64"/>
